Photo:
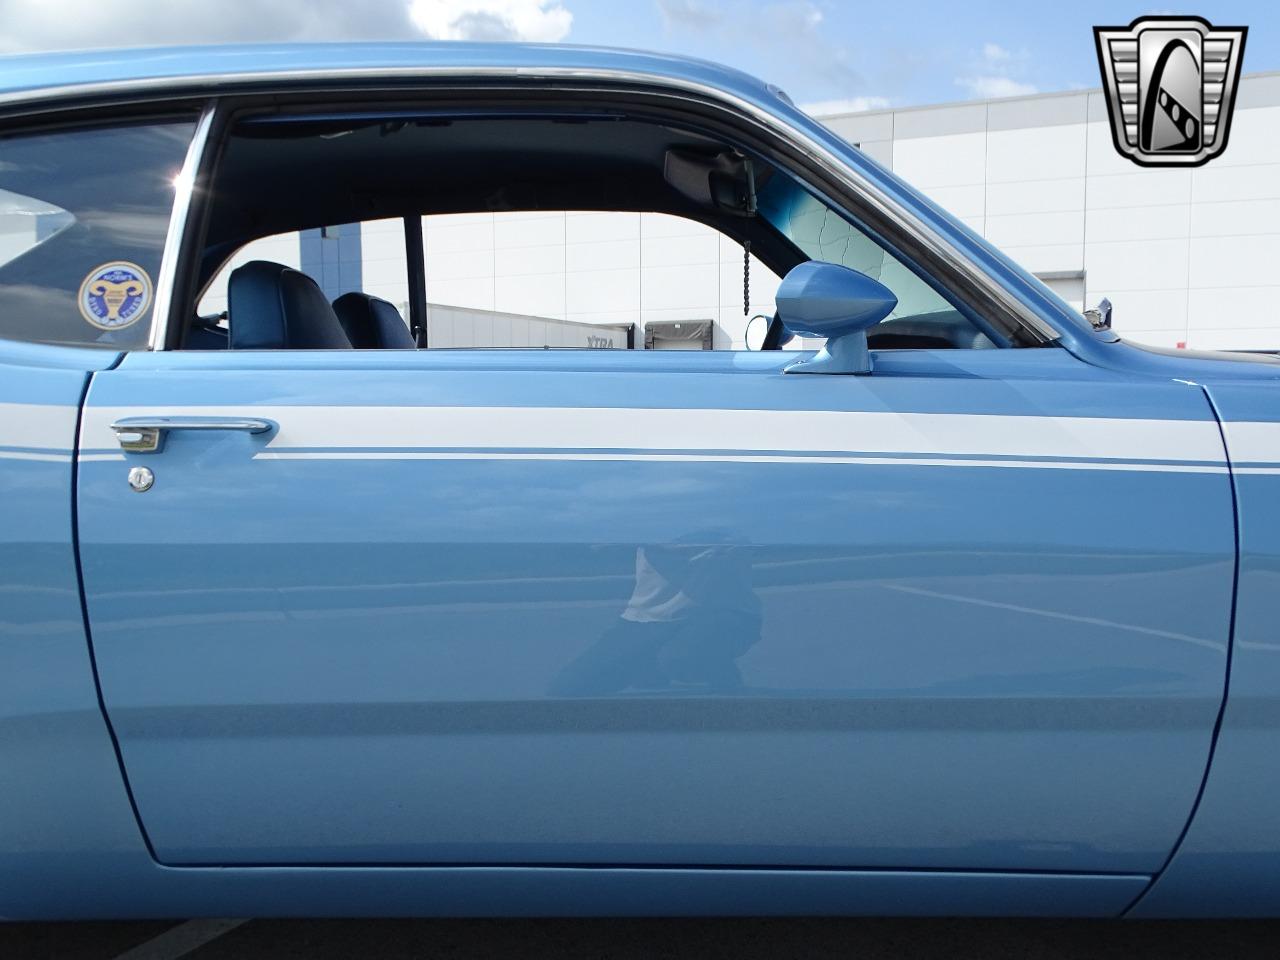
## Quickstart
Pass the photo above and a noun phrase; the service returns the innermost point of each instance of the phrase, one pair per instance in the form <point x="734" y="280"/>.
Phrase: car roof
<point x="40" y="74"/>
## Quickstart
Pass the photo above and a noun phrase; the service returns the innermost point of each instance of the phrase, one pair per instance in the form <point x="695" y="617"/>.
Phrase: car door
<point x="556" y="607"/>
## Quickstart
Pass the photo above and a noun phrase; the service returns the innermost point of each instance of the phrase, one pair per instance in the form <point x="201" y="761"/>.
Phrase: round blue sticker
<point x="115" y="295"/>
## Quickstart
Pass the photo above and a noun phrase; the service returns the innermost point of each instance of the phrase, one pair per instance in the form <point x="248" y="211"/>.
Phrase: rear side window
<point x="83" y="218"/>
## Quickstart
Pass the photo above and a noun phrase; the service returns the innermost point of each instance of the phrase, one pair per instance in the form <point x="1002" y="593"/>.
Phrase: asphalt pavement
<point x="633" y="939"/>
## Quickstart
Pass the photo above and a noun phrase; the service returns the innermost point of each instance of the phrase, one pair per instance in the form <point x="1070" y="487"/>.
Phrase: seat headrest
<point x="274" y="307"/>
<point x="371" y="323"/>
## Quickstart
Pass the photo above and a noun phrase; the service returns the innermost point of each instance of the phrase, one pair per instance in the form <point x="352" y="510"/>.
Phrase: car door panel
<point x="576" y="608"/>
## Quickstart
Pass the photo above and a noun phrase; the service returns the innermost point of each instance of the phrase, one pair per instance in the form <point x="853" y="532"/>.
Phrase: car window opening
<point x="600" y="233"/>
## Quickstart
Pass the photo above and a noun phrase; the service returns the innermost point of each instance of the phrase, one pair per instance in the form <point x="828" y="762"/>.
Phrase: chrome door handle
<point x="146" y="434"/>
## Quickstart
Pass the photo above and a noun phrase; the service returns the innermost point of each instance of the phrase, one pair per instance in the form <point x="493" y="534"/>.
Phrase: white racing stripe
<point x="703" y="433"/>
<point x="37" y="426"/>
<point x="1253" y="442"/>
<point x="736" y="458"/>
<point x="44" y="457"/>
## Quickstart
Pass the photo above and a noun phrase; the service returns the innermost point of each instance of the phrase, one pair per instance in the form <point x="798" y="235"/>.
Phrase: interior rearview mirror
<point x="724" y="179"/>
<point x="819" y="299"/>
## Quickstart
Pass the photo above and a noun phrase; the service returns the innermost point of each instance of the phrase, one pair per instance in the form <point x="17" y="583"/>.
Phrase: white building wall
<point x="452" y="326"/>
<point x="1186" y="256"/>
<point x="592" y="267"/>
<point x="383" y="272"/>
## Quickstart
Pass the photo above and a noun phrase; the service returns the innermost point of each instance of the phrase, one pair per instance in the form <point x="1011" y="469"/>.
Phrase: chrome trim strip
<point x="217" y="84"/>
<point x="184" y="187"/>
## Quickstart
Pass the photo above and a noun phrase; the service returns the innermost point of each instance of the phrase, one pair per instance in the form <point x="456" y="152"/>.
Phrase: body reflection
<point x="691" y="615"/>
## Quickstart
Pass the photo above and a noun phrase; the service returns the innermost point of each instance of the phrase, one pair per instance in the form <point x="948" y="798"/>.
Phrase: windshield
<point x="822" y="233"/>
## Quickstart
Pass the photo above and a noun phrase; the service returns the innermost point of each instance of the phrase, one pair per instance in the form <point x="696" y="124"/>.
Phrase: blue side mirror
<point x="819" y="299"/>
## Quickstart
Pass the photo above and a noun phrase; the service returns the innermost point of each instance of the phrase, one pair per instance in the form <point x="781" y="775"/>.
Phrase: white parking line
<point x="1069" y="617"/>
<point x="180" y="940"/>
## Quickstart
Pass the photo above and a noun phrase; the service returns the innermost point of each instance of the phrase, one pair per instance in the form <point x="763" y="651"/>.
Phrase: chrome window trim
<point x="227" y="83"/>
<point x="179" y="214"/>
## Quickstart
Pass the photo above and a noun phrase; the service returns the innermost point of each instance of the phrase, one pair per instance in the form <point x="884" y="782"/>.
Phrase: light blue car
<point x="968" y="607"/>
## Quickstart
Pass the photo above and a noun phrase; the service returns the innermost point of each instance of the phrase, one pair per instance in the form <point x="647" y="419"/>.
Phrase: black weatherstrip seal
<point x="1226" y="679"/>
<point x="84" y="607"/>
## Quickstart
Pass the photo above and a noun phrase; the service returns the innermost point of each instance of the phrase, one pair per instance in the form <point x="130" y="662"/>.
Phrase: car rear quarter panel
<point x="1229" y="863"/>
<point x="64" y="812"/>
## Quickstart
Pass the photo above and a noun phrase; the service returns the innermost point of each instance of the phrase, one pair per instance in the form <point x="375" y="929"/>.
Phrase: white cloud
<point x="700" y="14"/>
<point x="991" y="88"/>
<point x="828" y="108"/>
<point x="80" y="24"/>
<point x="996" y="73"/>
<point x="803" y="11"/>
<point x="533" y="20"/>
<point x="741" y="16"/>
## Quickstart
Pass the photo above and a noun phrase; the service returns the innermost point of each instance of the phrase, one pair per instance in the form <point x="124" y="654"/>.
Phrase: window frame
<point x="892" y="222"/>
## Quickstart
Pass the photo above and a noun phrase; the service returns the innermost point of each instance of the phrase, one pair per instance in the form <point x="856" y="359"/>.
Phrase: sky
<point x="830" y="55"/>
